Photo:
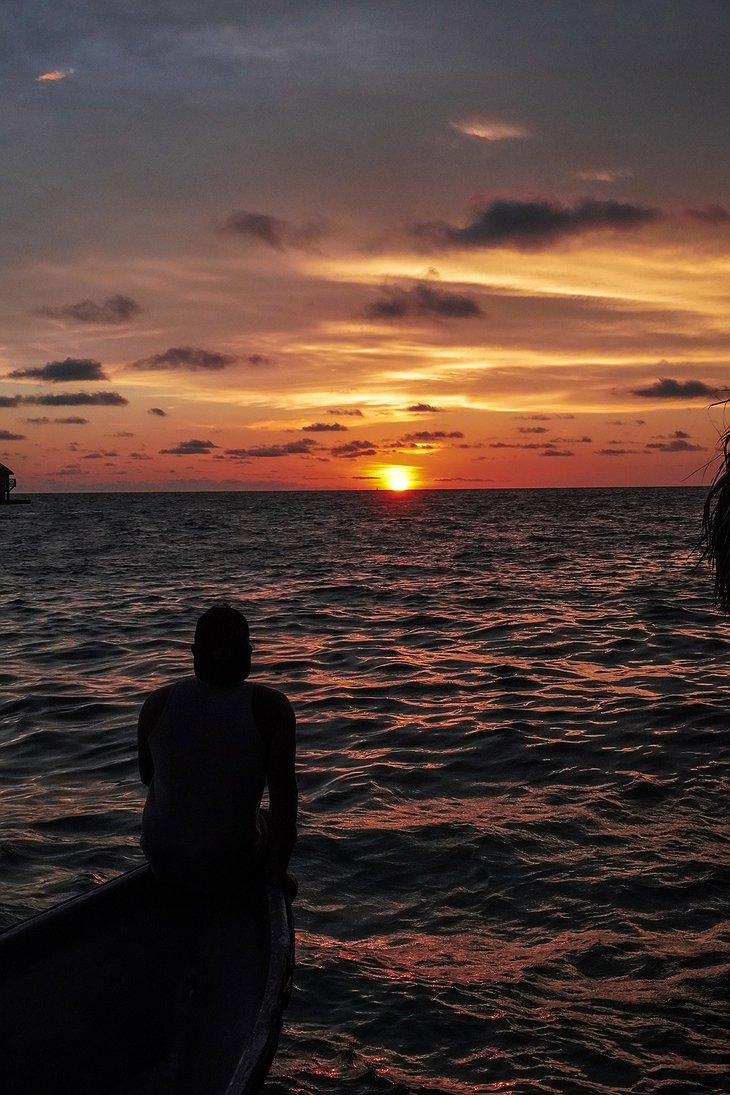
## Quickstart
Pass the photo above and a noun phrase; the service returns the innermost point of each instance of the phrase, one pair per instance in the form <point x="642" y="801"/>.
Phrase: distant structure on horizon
<point x="7" y="484"/>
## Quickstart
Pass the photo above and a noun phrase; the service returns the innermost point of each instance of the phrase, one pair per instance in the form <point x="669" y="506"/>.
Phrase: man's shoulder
<point x="270" y="703"/>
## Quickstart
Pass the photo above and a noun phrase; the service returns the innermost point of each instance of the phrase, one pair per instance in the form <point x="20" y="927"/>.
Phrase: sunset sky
<point x="262" y="245"/>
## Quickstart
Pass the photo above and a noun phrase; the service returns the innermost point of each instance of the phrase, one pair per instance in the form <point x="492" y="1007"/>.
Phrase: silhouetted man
<point x="208" y="745"/>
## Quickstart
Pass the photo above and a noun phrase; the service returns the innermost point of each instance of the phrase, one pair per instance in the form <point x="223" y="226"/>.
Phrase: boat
<point x="135" y="988"/>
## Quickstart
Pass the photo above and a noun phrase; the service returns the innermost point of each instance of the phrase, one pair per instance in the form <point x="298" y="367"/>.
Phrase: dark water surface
<point x="513" y="759"/>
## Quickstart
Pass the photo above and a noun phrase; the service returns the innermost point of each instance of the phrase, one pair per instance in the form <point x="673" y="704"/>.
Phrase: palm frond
<point x="714" y="545"/>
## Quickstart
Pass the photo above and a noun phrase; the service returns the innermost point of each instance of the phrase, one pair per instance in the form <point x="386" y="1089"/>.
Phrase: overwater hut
<point x="7" y="483"/>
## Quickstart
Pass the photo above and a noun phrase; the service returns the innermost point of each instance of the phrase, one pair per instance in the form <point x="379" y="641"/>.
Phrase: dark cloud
<point x="677" y="445"/>
<point x="549" y="451"/>
<point x="116" y="309"/>
<point x="9" y="400"/>
<point x="423" y="408"/>
<point x="157" y="411"/>
<point x="353" y="449"/>
<point x="535" y="224"/>
<point x="78" y="399"/>
<point x="431" y="435"/>
<point x="71" y="420"/>
<point x="290" y="448"/>
<point x="258" y="359"/>
<point x="186" y="357"/>
<point x="5" y="435"/>
<point x="423" y="301"/>
<point x="273" y="232"/>
<point x="325" y="427"/>
<point x="99" y="455"/>
<point x="190" y="448"/>
<point x="61" y="372"/>
<point x="515" y="445"/>
<point x="354" y="413"/>
<point x="139" y="456"/>
<point x="257" y="226"/>
<point x="667" y="388"/>
<point x="711" y="214"/>
<point x="532" y="429"/>
<point x="616" y="452"/>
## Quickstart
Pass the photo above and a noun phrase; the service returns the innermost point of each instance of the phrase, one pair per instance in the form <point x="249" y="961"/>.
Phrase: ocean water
<point x="513" y="761"/>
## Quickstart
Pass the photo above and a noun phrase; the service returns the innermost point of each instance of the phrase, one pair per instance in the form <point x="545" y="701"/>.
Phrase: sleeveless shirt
<point x="201" y="824"/>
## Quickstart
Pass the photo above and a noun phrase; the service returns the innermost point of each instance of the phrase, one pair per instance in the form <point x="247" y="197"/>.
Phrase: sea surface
<point x="514" y="720"/>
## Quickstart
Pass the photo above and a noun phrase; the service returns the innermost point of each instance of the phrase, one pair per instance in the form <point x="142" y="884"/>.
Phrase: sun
<point x="397" y="478"/>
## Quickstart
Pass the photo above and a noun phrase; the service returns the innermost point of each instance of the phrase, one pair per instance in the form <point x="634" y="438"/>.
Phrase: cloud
<point x="98" y="455"/>
<point x="616" y="452"/>
<point x="535" y="224"/>
<point x="71" y="420"/>
<point x="353" y="449"/>
<point x="354" y="413"/>
<point x="423" y="408"/>
<point x="61" y="372"/>
<point x="711" y="214"/>
<point x="548" y="451"/>
<point x="190" y="448"/>
<point x="9" y="400"/>
<point x="77" y="399"/>
<point x="5" y="435"/>
<point x="532" y="429"/>
<point x="116" y="309"/>
<point x="259" y="359"/>
<point x="605" y="174"/>
<point x="667" y="388"/>
<point x="677" y="445"/>
<point x="431" y="435"/>
<point x="325" y="427"/>
<point x="274" y="233"/>
<point x="490" y="129"/>
<point x="185" y="357"/>
<point x="423" y="301"/>
<point x="54" y="75"/>
<point x="157" y="411"/>
<point x="290" y="448"/>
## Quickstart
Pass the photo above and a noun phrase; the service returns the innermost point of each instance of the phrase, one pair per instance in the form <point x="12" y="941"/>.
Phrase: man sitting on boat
<point x="208" y="745"/>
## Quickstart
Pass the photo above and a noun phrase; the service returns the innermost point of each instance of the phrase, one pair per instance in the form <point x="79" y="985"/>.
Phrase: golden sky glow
<point x="507" y="269"/>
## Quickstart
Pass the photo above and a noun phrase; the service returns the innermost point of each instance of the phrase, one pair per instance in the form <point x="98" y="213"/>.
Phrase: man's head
<point x="221" y="650"/>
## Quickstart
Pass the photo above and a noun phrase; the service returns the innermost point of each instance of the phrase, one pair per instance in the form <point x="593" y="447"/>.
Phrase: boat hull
<point x="138" y="988"/>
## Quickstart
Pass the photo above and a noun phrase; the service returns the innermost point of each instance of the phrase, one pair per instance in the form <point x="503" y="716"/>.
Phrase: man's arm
<point x="275" y="716"/>
<point x="149" y="716"/>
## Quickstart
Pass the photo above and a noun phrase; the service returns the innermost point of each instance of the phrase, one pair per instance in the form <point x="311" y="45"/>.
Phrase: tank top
<point x="200" y="826"/>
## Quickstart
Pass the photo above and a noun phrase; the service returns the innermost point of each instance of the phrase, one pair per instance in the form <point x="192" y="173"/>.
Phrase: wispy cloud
<point x="490" y="129"/>
<point x="604" y="174"/>
<point x="262" y="228"/>
<point x="6" y="435"/>
<point x="190" y="358"/>
<point x="115" y="309"/>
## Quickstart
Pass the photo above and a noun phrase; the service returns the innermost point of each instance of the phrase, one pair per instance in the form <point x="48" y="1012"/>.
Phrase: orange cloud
<point x="54" y="75"/>
<point x="490" y="129"/>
